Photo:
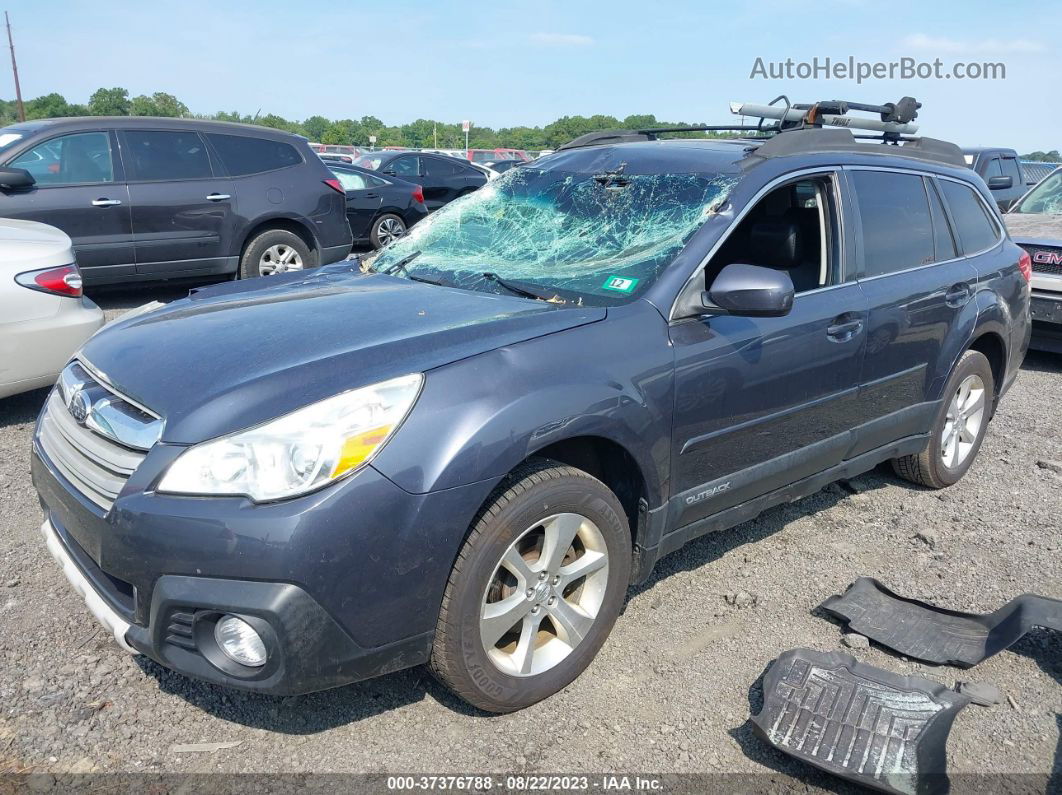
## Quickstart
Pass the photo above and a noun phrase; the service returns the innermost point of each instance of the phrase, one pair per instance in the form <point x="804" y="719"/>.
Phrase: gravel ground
<point x="670" y="691"/>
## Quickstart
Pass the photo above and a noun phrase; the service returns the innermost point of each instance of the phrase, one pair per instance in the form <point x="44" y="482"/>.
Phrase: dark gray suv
<point x="147" y="198"/>
<point x="467" y="454"/>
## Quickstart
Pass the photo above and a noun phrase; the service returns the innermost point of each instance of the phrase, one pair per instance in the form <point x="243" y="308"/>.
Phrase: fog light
<point x="240" y="642"/>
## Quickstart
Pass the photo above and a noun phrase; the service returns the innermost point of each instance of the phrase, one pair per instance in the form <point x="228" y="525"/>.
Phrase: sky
<point x="528" y="63"/>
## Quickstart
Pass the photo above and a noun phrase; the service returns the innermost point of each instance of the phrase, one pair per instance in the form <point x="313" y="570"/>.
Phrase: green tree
<point x="158" y="104"/>
<point x="50" y="106"/>
<point x="109" y="102"/>
<point x="315" y="127"/>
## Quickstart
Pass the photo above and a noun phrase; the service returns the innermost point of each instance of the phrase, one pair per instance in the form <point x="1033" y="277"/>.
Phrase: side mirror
<point x="16" y="178"/>
<point x="749" y="291"/>
<point x="389" y="172"/>
<point x="1000" y="183"/>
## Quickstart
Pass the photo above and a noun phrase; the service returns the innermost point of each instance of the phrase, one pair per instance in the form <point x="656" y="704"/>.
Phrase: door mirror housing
<point x="1000" y="183"/>
<point x="749" y="291"/>
<point x="16" y="178"/>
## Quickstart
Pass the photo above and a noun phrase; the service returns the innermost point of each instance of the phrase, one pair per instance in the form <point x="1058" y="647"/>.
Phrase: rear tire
<point x="550" y="601"/>
<point x="275" y="251"/>
<point x="386" y="229"/>
<point x="959" y="428"/>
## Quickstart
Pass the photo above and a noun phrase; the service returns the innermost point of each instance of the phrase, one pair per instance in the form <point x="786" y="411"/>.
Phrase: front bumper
<point x="346" y="583"/>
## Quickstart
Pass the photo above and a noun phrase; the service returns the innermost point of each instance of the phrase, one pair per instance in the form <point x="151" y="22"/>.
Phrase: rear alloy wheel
<point x="274" y="252"/>
<point x="535" y="590"/>
<point x="960" y="427"/>
<point x="386" y="229"/>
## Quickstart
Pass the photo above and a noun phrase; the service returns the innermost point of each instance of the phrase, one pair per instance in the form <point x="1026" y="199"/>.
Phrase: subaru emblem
<point x="79" y="407"/>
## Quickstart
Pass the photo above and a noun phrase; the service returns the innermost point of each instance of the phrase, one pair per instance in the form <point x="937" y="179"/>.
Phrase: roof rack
<point x="814" y="122"/>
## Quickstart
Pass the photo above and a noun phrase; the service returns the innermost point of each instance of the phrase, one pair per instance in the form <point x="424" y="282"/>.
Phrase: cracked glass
<point x="565" y="236"/>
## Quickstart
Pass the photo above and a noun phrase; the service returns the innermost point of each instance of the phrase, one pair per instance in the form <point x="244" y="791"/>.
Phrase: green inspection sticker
<point x="620" y="284"/>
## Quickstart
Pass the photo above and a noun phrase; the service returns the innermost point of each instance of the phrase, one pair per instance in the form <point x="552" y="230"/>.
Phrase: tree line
<point x="421" y="133"/>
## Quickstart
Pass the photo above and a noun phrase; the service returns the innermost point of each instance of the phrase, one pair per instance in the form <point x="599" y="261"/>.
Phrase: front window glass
<point x="578" y="237"/>
<point x="1044" y="198"/>
<point x="80" y="158"/>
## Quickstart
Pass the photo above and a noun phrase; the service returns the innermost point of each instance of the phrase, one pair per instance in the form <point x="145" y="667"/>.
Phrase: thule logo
<point x="1048" y="257"/>
<point x="703" y="495"/>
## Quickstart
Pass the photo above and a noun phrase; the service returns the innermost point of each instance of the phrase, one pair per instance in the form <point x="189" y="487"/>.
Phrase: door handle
<point x="218" y="197"/>
<point x="372" y="196"/>
<point x="958" y="294"/>
<point x="105" y="202"/>
<point x="842" y="330"/>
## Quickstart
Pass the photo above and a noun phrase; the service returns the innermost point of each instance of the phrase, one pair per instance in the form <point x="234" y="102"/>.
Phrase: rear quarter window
<point x="243" y="155"/>
<point x="974" y="225"/>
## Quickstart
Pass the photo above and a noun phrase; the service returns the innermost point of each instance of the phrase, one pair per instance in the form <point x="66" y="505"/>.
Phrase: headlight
<point x="298" y="452"/>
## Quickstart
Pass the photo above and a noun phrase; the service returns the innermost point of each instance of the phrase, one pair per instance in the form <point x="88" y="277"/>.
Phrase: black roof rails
<point x="810" y="140"/>
<point x="605" y="137"/>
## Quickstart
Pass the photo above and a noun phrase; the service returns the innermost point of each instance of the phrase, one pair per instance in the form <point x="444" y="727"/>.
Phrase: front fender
<point x="478" y="418"/>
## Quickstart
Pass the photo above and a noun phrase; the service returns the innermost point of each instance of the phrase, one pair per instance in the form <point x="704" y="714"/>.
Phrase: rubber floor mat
<point x="925" y="632"/>
<point x="858" y="722"/>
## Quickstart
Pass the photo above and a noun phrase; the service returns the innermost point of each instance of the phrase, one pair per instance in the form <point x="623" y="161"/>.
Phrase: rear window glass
<point x="976" y="229"/>
<point x="897" y="229"/>
<point x="352" y="181"/>
<point x="244" y="155"/>
<point x="167" y="155"/>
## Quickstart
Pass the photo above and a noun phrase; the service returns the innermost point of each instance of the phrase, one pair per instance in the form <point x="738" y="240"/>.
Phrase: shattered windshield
<point x="1045" y="197"/>
<point x="597" y="238"/>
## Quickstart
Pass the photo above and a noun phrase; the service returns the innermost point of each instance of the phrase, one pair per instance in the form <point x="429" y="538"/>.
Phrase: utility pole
<point x="14" y="68"/>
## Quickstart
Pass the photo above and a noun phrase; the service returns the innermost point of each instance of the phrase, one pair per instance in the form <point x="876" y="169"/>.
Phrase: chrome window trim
<point x="824" y="171"/>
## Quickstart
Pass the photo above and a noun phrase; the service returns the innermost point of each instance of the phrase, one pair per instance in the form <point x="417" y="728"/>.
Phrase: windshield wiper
<point x="414" y="278"/>
<point x="402" y="264"/>
<point x="516" y="289"/>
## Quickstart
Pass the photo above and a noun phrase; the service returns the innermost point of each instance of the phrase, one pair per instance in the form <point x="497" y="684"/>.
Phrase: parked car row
<point x="147" y="198"/>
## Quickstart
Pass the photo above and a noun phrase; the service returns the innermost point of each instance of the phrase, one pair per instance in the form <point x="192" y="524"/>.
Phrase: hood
<point x="1034" y="227"/>
<point x="28" y="245"/>
<point x="233" y="356"/>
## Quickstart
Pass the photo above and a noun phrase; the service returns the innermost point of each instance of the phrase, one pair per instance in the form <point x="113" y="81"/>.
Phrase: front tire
<point x="959" y="429"/>
<point x="535" y="590"/>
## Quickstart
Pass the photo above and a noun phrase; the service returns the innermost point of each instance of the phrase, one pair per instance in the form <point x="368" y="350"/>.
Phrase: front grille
<point x="86" y="450"/>
<point x="1045" y="259"/>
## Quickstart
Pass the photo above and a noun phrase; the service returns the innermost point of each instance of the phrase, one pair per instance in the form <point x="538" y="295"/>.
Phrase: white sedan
<point x="44" y="318"/>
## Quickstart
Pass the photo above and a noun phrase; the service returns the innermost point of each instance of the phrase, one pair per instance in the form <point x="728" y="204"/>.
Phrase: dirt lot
<point x="670" y="691"/>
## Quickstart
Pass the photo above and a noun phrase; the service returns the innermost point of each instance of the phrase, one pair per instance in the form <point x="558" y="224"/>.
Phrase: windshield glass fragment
<point x="603" y="237"/>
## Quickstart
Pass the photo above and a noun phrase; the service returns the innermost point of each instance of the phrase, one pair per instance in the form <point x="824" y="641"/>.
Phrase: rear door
<point x="80" y="189"/>
<point x="917" y="284"/>
<point x="184" y="213"/>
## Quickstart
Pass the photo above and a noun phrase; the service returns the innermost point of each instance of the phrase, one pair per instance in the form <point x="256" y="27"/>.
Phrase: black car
<point x="501" y="166"/>
<point x="379" y="209"/>
<point x="146" y="198"/>
<point x="465" y="456"/>
<point x="444" y="178"/>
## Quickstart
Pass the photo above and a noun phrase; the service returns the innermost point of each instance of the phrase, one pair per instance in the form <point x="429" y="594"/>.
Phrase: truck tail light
<point x="65" y="280"/>
<point x="1025" y="265"/>
<point x="418" y="194"/>
<point x="335" y="185"/>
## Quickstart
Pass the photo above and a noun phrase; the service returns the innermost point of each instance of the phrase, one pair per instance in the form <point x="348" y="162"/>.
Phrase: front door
<point x="183" y="215"/>
<point x="80" y="189"/>
<point x="761" y="403"/>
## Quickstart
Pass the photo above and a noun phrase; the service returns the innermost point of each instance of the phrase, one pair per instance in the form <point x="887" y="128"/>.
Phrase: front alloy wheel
<point x="544" y="595"/>
<point x="535" y="589"/>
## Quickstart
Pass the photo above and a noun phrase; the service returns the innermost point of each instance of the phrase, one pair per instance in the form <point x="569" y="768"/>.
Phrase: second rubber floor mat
<point x="859" y="722"/>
